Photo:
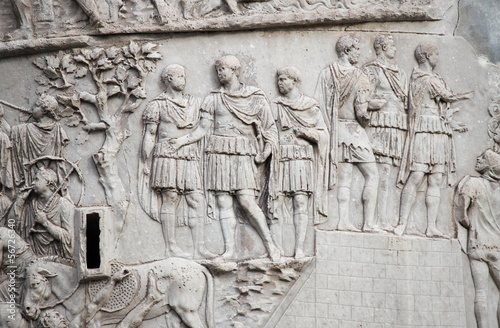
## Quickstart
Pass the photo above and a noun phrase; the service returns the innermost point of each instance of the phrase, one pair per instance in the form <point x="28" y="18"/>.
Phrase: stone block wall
<point x="377" y="281"/>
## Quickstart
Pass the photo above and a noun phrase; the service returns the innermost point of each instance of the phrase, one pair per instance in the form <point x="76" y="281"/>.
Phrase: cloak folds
<point x="31" y="141"/>
<point x="248" y="105"/>
<point x="335" y="85"/>
<point x="184" y="114"/>
<point x="56" y="238"/>
<point x="437" y="129"/>
<point x="389" y="124"/>
<point x="305" y="112"/>
<point x="396" y="78"/>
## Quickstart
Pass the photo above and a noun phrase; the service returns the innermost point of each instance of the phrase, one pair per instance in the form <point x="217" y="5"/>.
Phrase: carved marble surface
<point x="181" y="181"/>
<point x="25" y="18"/>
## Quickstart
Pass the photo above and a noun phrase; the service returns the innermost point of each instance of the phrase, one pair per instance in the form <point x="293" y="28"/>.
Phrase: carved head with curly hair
<point x="52" y="319"/>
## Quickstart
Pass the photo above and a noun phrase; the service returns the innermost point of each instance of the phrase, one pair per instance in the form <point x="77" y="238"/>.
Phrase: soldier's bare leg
<point x="22" y="11"/>
<point x="163" y="10"/>
<point x="432" y="200"/>
<point x="233" y="6"/>
<point x="480" y="277"/>
<point x="383" y="196"/>
<point x="494" y="266"/>
<point x="227" y="218"/>
<point x="369" y="196"/>
<point x="89" y="7"/>
<point x="170" y="200"/>
<point x="344" y="196"/>
<point x="196" y="221"/>
<point x="276" y="228"/>
<point x="300" y="221"/>
<point x="258" y="220"/>
<point x="408" y="197"/>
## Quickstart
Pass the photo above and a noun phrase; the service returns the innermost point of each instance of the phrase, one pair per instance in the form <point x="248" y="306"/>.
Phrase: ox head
<point x="37" y="290"/>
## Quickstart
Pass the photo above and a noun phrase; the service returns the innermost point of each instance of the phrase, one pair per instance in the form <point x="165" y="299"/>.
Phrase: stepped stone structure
<point x="260" y="163"/>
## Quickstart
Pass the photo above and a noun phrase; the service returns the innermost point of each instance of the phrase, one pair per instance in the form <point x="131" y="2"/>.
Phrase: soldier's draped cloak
<point x="306" y="112"/>
<point x="336" y="84"/>
<point x="31" y="141"/>
<point x="249" y="105"/>
<point x="422" y="83"/>
<point x="184" y="113"/>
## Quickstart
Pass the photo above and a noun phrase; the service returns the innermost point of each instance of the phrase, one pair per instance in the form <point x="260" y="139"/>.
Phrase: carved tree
<point x="97" y="76"/>
<point x="494" y="109"/>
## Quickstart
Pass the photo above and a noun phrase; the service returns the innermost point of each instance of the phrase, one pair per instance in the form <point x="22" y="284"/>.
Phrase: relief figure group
<point x="235" y="156"/>
<point x="278" y="161"/>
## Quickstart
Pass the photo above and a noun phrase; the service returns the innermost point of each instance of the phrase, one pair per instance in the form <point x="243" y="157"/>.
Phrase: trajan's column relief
<point x="155" y="178"/>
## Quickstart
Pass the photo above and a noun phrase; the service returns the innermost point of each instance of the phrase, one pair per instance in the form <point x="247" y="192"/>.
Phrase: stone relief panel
<point x="148" y="186"/>
<point x="29" y="18"/>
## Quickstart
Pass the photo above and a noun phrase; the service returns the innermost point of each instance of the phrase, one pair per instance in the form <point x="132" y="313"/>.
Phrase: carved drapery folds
<point x="224" y="181"/>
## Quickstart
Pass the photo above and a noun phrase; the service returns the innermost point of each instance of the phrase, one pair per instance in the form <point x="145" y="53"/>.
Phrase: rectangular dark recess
<point x="93" y="235"/>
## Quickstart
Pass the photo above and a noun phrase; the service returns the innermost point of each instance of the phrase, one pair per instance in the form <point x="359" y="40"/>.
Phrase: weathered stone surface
<point x="479" y="24"/>
<point x="398" y="286"/>
<point x="157" y="179"/>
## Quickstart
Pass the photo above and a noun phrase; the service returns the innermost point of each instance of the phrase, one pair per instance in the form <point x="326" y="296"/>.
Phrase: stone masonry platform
<point x="380" y="281"/>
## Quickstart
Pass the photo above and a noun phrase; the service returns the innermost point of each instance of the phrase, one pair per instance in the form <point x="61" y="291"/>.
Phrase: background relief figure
<point x="303" y="156"/>
<point x="175" y="173"/>
<point x="345" y="92"/>
<point x="388" y="119"/>
<point x="429" y="150"/>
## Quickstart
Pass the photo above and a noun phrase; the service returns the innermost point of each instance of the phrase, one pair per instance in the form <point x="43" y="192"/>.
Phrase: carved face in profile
<point x="285" y="84"/>
<point x="177" y="80"/>
<point x="41" y="184"/>
<point x="38" y="112"/>
<point x="53" y="319"/>
<point x="224" y="73"/>
<point x="433" y="57"/>
<point x="353" y="53"/>
<point x="481" y="164"/>
<point x="390" y="49"/>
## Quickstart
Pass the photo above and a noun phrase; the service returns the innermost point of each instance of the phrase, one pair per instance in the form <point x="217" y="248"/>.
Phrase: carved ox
<point x="184" y="286"/>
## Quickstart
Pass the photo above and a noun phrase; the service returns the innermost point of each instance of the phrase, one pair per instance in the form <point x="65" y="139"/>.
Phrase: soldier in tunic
<point x="388" y="118"/>
<point x="303" y="155"/>
<point x="244" y="134"/>
<point x="429" y="149"/>
<point x="477" y="208"/>
<point x="344" y="97"/>
<point x="176" y="173"/>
